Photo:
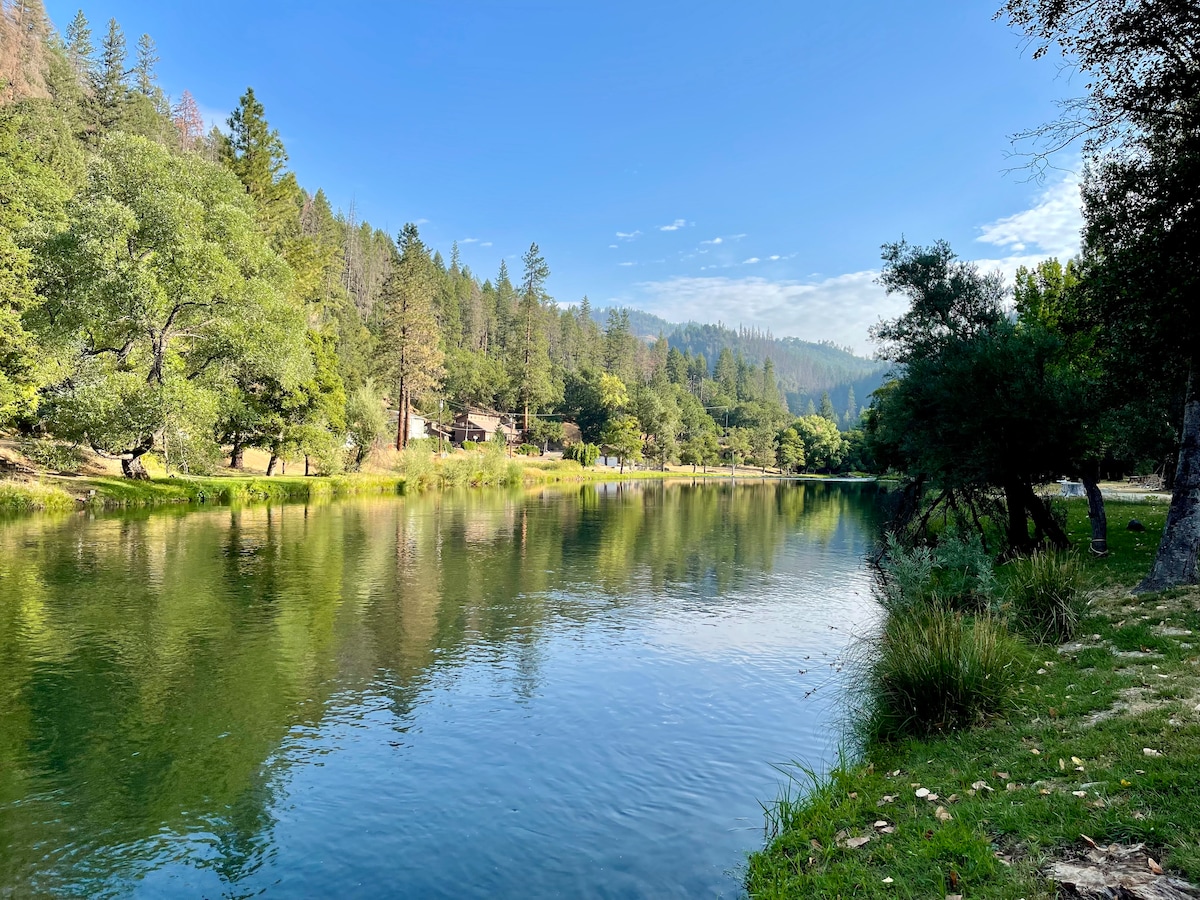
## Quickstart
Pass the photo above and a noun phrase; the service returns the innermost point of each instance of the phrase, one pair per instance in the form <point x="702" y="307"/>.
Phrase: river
<point x="573" y="692"/>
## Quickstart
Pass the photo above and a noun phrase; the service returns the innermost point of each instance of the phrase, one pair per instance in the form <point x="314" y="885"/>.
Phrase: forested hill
<point x="805" y="369"/>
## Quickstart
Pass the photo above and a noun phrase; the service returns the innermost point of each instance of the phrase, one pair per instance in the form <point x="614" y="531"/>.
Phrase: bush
<point x="53" y="455"/>
<point x="956" y="573"/>
<point x="1045" y="596"/>
<point x="529" y="450"/>
<point x="937" y="670"/>
<point x="584" y="454"/>
<point x="470" y="446"/>
<point x="416" y="463"/>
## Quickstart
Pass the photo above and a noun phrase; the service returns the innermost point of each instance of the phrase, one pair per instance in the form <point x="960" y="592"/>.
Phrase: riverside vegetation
<point x="988" y="749"/>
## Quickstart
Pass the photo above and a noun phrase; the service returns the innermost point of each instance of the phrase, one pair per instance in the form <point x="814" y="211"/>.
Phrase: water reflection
<point x="200" y="702"/>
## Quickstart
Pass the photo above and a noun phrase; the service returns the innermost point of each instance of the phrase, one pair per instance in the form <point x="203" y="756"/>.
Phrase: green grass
<point x="1131" y="680"/>
<point x="127" y="493"/>
<point x="33" y="496"/>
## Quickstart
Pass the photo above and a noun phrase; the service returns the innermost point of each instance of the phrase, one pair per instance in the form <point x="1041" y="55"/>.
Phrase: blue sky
<point x="712" y="161"/>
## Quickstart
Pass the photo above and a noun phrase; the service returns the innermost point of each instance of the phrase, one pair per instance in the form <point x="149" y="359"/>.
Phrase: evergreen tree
<point x="255" y="153"/>
<point x="412" y="355"/>
<point x="529" y="352"/>
<point x="79" y="48"/>
<point x="147" y="59"/>
<point x="827" y="411"/>
<point x="110" y="86"/>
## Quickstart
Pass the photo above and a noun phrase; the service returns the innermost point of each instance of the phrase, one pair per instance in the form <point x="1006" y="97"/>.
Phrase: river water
<point x="557" y="693"/>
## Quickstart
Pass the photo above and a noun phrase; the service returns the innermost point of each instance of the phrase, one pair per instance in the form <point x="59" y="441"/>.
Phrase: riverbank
<point x="63" y="493"/>
<point x="1105" y="748"/>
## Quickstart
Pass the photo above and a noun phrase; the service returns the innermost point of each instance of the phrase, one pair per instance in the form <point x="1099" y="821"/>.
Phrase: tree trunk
<point x="271" y="465"/>
<point x="132" y="468"/>
<point x="235" y="455"/>
<point x="1096" y="511"/>
<point x="1017" y="533"/>
<point x="1175" y="563"/>
<point x="402" y="418"/>
<point x="306" y="473"/>
<point x="1044" y="521"/>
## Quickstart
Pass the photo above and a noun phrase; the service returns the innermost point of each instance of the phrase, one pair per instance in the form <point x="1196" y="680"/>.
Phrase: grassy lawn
<point x="1006" y="798"/>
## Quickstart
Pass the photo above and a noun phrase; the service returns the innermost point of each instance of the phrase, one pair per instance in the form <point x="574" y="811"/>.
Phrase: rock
<point x="1135" y="525"/>
<point x="1118" y="873"/>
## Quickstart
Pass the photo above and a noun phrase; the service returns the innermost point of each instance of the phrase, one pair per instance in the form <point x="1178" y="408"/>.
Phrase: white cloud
<point x="627" y="264"/>
<point x="840" y="309"/>
<point x="612" y="246"/>
<point x="775" y="257"/>
<point x="751" y="261"/>
<point x="421" y="222"/>
<point x="843" y="308"/>
<point x="674" y="226"/>
<point x="1050" y="228"/>
<point x="486" y="244"/>
<point x="629" y="235"/>
<point x="716" y="240"/>
<point x="469" y="241"/>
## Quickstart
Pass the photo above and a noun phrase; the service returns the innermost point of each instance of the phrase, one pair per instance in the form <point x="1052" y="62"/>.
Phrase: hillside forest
<point x="169" y="288"/>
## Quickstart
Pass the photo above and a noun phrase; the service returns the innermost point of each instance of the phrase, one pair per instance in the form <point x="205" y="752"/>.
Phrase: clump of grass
<point x="32" y="496"/>
<point x="937" y="670"/>
<point x="1046" y="599"/>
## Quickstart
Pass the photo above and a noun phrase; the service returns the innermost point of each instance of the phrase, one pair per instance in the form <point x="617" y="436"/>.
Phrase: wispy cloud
<point x="842" y="308"/>
<point x="1050" y="227"/>
<point x="627" y="264"/>
<point x="469" y="241"/>
<point x="612" y="246"/>
<point x="486" y="244"/>
<point x="716" y="240"/>
<point x="751" y="261"/>
<point x="674" y="226"/>
<point x="628" y="235"/>
<point x="420" y="221"/>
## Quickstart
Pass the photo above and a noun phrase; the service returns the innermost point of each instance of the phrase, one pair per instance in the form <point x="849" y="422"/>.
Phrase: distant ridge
<point x="806" y="369"/>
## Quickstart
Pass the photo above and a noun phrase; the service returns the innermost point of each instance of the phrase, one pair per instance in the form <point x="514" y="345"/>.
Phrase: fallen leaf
<point x="1062" y="764"/>
<point x="1125" y="783"/>
<point x="954" y="897"/>
<point x="886" y="798"/>
<point x="1079" y="793"/>
<point x="1077" y="760"/>
<point x="1003" y="776"/>
<point x="1154" y="867"/>
<point x="1010" y="787"/>
<point x="980" y="786"/>
<point x="1151" y="752"/>
<point x="854" y="843"/>
<point x="854" y="795"/>
<point x="942" y="815"/>
<point x="931" y="797"/>
<point x="953" y="798"/>
<point x="888" y="880"/>
<point x="1036" y="752"/>
<point x="815" y="844"/>
<point x="1090" y="842"/>
<point x="922" y="793"/>
<point x="882" y="823"/>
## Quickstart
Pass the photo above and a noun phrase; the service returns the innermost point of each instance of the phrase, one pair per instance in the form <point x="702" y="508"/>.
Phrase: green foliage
<point x="1046" y="600"/>
<point x="32" y="496"/>
<point x="585" y="454"/>
<point x="529" y="450"/>
<point x="53" y="455"/>
<point x="936" y="669"/>
<point x="623" y="438"/>
<point x="955" y="573"/>
<point x="366" y="420"/>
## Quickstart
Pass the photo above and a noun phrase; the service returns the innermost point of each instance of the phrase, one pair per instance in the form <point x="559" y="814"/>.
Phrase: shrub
<point x="469" y="446"/>
<point x="53" y="455"/>
<point x="938" y="669"/>
<point x="416" y="463"/>
<point x="584" y="454"/>
<point x="956" y="572"/>
<point x="529" y="450"/>
<point x="1045" y="596"/>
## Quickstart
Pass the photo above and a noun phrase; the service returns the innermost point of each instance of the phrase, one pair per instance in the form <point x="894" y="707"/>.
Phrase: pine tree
<point x="110" y="87"/>
<point x="410" y="341"/>
<point x="529" y="349"/>
<point x="147" y="59"/>
<point x="79" y="48"/>
<point x="255" y="153"/>
<point x="851" y="408"/>
<point x="826" y="411"/>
